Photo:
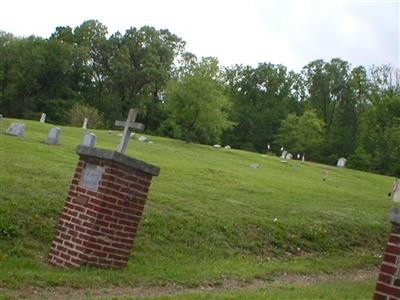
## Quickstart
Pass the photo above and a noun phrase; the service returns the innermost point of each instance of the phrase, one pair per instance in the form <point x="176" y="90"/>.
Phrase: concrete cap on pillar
<point x="119" y="158"/>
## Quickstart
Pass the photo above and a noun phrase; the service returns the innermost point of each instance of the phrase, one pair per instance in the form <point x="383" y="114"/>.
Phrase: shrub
<point x="80" y="111"/>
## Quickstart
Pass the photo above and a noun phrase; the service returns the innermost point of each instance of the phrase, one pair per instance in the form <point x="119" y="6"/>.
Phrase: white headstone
<point x="84" y="126"/>
<point x="16" y="129"/>
<point x="217" y="146"/>
<point x="143" y="139"/>
<point x="303" y="158"/>
<point x="282" y="148"/>
<point x="53" y="136"/>
<point x="298" y="155"/>
<point x="89" y="140"/>
<point x="341" y="163"/>
<point x="254" y="166"/>
<point x="268" y="147"/>
<point x="289" y="156"/>
<point x="43" y="118"/>
<point x="227" y="147"/>
<point x="132" y="135"/>
<point x="284" y="153"/>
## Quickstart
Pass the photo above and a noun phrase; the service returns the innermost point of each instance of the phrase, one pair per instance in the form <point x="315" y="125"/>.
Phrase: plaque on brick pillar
<point x="103" y="209"/>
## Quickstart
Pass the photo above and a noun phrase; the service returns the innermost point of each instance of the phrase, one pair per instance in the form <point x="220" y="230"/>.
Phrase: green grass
<point x="333" y="291"/>
<point x="209" y="216"/>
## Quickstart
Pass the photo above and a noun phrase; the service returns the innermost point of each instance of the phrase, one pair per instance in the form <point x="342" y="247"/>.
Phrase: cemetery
<point x="212" y="218"/>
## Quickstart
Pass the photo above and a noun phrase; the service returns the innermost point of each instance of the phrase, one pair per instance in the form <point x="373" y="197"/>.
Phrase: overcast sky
<point x="291" y="33"/>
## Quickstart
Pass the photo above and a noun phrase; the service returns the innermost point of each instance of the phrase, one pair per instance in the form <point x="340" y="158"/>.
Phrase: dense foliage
<point x="328" y="110"/>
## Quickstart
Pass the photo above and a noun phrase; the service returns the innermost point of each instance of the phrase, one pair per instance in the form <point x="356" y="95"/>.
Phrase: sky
<point x="291" y="33"/>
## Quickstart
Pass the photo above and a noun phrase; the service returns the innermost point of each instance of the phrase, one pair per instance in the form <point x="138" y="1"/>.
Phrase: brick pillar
<point x="103" y="210"/>
<point x="388" y="285"/>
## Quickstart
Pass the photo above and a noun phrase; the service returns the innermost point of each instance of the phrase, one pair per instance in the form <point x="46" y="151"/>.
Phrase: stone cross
<point x="128" y="125"/>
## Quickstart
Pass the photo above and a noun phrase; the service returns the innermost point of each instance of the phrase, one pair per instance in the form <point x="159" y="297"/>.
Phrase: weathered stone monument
<point x="89" y="140"/>
<point x="84" y="125"/>
<point x="16" y="129"/>
<point x="43" y="118"/>
<point x="341" y="163"/>
<point x="284" y="153"/>
<point x="104" y="206"/>
<point x="54" y="136"/>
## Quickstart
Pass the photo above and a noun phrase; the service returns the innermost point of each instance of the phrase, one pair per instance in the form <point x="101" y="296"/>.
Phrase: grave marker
<point x="53" y="136"/>
<point x="341" y="163"/>
<point x="43" y="118"/>
<point x="128" y="125"/>
<point x="104" y="207"/>
<point x="85" y="121"/>
<point x="16" y="129"/>
<point x="89" y="140"/>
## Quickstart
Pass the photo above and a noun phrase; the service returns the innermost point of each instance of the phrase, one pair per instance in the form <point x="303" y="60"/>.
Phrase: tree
<point x="304" y="134"/>
<point x="197" y="104"/>
<point x="262" y="97"/>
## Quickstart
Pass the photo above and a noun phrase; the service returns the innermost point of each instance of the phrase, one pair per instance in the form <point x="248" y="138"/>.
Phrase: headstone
<point x="227" y="147"/>
<point x="16" y="129"/>
<point x="268" y="147"/>
<point x="284" y="153"/>
<point x="128" y="125"/>
<point x="303" y="158"/>
<point x="143" y="139"/>
<point x="289" y="156"/>
<point x="89" y="140"/>
<point x="109" y="132"/>
<point x="254" y="166"/>
<point x="53" y="136"/>
<point x="85" y="121"/>
<point x="43" y="118"/>
<point x="1" y="117"/>
<point x="132" y="135"/>
<point x="341" y="163"/>
<point x="282" y="148"/>
<point x="298" y="156"/>
<point x="396" y="191"/>
<point x="217" y="146"/>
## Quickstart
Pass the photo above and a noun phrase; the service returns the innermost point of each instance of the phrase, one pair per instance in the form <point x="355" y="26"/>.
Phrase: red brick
<point x="388" y="269"/>
<point x="389" y="258"/>
<point x="392" y="249"/>
<point x="394" y="239"/>
<point x="379" y="297"/>
<point x="386" y="289"/>
<point x="385" y="278"/>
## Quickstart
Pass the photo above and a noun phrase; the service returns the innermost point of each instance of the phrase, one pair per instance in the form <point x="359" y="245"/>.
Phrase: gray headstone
<point x="16" y="129"/>
<point x="43" y="118"/>
<point x="89" y="140"/>
<point x="217" y="146"/>
<point x="54" y="136"/>
<point x="254" y="166"/>
<point x="143" y="139"/>
<point x="289" y="156"/>
<point x="284" y="153"/>
<point x="227" y="147"/>
<point x="1" y="117"/>
<point x="341" y="163"/>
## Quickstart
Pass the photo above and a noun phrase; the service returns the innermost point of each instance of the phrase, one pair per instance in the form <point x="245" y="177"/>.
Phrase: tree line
<point x="328" y="110"/>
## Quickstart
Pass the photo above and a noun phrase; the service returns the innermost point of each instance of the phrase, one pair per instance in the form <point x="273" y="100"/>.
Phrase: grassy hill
<point x="209" y="217"/>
